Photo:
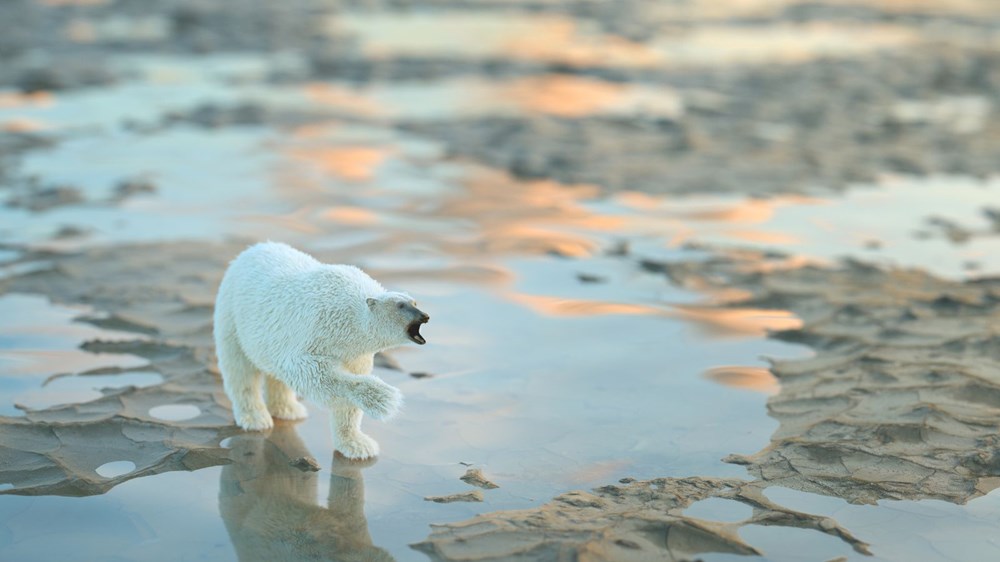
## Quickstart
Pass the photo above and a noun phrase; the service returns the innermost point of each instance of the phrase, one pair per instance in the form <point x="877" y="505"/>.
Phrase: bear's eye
<point x="401" y="306"/>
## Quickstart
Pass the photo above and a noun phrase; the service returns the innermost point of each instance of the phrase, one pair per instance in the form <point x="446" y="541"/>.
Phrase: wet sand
<point x="725" y="269"/>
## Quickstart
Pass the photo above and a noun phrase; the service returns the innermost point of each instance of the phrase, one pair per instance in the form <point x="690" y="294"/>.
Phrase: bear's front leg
<point x="345" y="420"/>
<point x="323" y="378"/>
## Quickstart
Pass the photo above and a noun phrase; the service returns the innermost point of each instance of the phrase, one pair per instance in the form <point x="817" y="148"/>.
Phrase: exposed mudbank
<point x="900" y="401"/>
<point x="783" y="129"/>
<point x="475" y="477"/>
<point x="55" y="451"/>
<point x="636" y="521"/>
<point x="470" y="496"/>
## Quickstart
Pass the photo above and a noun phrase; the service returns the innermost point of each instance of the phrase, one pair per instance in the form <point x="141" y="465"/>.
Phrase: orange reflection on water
<point x="566" y="96"/>
<point x="742" y="322"/>
<point x="17" y="99"/>
<point x="561" y="39"/>
<point x="750" y="211"/>
<point x="742" y="211"/>
<point x="356" y="216"/>
<point x="352" y="163"/>
<point x="522" y="238"/>
<point x="528" y="217"/>
<point x="757" y="379"/>
<point x="563" y="307"/>
<point x="484" y="212"/>
<point x="720" y="295"/>
<point x="22" y="125"/>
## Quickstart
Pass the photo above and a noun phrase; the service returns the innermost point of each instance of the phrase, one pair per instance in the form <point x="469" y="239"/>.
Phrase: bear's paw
<point x="254" y="420"/>
<point x="378" y="399"/>
<point x="357" y="446"/>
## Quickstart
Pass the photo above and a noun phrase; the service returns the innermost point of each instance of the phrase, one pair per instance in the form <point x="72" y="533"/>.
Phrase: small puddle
<point x="83" y="388"/>
<point x="39" y="339"/>
<point x="175" y="412"/>
<point x="717" y="509"/>
<point x="115" y="468"/>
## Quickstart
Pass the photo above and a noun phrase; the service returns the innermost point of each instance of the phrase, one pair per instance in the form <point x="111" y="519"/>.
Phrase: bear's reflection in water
<point x="269" y="504"/>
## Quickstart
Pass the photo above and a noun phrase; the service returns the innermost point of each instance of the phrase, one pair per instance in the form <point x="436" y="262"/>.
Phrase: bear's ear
<point x="371" y="302"/>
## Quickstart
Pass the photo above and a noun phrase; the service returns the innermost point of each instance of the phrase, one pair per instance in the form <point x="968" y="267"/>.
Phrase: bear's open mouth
<point x="413" y="330"/>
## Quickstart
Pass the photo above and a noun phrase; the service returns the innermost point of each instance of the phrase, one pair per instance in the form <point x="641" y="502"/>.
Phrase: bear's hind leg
<point x="282" y="402"/>
<point x="345" y="420"/>
<point x="243" y="381"/>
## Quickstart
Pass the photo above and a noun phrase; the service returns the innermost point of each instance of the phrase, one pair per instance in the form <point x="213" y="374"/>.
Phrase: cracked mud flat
<point x="54" y="450"/>
<point x="524" y="179"/>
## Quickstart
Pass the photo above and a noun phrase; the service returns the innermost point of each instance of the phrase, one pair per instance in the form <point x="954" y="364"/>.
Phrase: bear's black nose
<point x="425" y="318"/>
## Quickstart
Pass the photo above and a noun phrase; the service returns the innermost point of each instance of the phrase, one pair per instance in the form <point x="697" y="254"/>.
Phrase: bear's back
<point x="285" y="301"/>
<point x="275" y="258"/>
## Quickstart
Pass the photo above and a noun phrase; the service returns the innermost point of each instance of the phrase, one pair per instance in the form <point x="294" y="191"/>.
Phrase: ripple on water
<point x="718" y="509"/>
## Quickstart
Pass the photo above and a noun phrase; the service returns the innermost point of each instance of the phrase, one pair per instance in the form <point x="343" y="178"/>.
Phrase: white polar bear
<point x="294" y="325"/>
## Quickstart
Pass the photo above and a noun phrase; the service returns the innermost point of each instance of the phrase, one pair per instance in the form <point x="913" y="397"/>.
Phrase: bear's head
<point x="398" y="313"/>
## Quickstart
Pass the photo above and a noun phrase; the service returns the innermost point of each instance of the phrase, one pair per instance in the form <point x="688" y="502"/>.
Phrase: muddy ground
<point x="900" y="399"/>
<point x="899" y="402"/>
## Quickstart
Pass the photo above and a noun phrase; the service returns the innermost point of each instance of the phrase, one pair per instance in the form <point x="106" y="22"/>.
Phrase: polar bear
<point x="289" y="324"/>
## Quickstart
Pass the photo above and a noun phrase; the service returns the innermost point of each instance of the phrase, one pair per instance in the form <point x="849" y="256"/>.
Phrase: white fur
<point x="289" y="323"/>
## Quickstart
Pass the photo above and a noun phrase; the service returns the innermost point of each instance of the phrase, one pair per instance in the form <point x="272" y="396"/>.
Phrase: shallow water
<point x="547" y="381"/>
<point x="39" y="339"/>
